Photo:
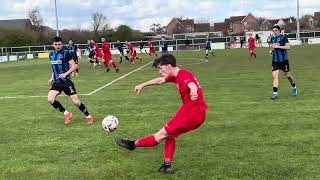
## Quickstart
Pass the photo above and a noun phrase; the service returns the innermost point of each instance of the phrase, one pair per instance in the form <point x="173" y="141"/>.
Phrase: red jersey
<point x="252" y="43"/>
<point x="182" y="80"/>
<point x="96" y="48"/>
<point x="105" y="48"/>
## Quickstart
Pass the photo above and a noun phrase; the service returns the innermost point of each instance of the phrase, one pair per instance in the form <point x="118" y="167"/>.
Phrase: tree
<point x="157" y="28"/>
<point x="124" y="33"/>
<point x="306" y="22"/>
<point x="99" y="23"/>
<point x="35" y="18"/>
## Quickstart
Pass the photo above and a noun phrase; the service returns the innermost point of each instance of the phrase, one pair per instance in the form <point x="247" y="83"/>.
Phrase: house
<point x="179" y="25"/>
<point x="237" y="24"/>
<point x="16" y="24"/>
<point x="316" y="19"/>
<point x="282" y="22"/>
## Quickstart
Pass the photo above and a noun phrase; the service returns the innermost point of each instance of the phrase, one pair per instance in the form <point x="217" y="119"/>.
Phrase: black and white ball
<point x="110" y="123"/>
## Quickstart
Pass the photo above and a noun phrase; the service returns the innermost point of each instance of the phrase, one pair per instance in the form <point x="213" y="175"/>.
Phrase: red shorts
<point x="184" y="121"/>
<point x="107" y="57"/>
<point x="251" y="49"/>
<point x="152" y="50"/>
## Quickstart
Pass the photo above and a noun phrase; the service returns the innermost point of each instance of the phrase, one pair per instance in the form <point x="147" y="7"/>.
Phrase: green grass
<point x="246" y="135"/>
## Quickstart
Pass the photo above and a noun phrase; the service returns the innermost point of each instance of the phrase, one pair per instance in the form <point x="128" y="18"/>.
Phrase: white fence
<point x="196" y="44"/>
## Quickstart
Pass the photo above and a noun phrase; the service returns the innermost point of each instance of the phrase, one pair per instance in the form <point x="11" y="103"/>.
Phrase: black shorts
<point x="208" y="48"/>
<point x="76" y="60"/>
<point x="92" y="54"/>
<point x="284" y="66"/>
<point x="67" y="87"/>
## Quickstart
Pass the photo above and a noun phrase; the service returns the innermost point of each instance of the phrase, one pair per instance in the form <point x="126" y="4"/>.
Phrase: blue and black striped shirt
<point x="60" y="64"/>
<point x="72" y="48"/>
<point x="280" y="55"/>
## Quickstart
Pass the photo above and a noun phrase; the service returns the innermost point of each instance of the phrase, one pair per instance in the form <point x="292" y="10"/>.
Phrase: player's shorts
<point x="184" y="121"/>
<point x="208" y="48"/>
<point x="92" y="54"/>
<point x="107" y="57"/>
<point x="284" y="66"/>
<point x="67" y="87"/>
<point x="121" y="52"/>
<point x="76" y="59"/>
<point x="152" y="50"/>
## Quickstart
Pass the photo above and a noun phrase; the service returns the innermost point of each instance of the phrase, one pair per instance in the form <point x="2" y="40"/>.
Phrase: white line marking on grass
<point x="106" y="85"/>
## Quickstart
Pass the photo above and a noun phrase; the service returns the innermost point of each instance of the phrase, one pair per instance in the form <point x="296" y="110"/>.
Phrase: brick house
<point x="178" y="25"/>
<point x="316" y="19"/>
<point x="237" y="24"/>
<point x="282" y="22"/>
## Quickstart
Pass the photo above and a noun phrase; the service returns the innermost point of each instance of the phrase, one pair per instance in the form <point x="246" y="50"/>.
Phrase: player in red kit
<point x="190" y="115"/>
<point x="107" y="56"/>
<point x="152" y="50"/>
<point x="133" y="53"/>
<point x="98" y="57"/>
<point x="252" y="46"/>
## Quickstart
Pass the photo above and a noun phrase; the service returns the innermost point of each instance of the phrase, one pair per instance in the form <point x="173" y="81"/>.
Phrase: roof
<point x="222" y="26"/>
<point x="273" y="21"/>
<point x="316" y="16"/>
<point x="17" y="24"/>
<point x="237" y="18"/>
<point x="186" y="22"/>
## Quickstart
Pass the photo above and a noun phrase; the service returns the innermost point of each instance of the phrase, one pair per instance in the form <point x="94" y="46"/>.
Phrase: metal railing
<point x="177" y="44"/>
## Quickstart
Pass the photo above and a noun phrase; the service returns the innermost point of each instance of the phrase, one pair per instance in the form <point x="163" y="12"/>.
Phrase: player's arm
<point x="285" y="47"/>
<point x="193" y="91"/>
<point x="156" y="81"/>
<point x="73" y="67"/>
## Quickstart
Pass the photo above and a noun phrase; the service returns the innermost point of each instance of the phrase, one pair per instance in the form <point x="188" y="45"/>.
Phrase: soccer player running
<point x="92" y="53"/>
<point x="190" y="115"/>
<point x="208" y="47"/>
<point x="133" y="53"/>
<point x="164" y="46"/>
<point x="120" y="46"/>
<point x="252" y="46"/>
<point x="62" y="66"/>
<point x="107" y="56"/>
<point x="141" y="46"/>
<point x="280" y="61"/>
<point x="152" y="50"/>
<point x="98" y="57"/>
<point x="73" y="49"/>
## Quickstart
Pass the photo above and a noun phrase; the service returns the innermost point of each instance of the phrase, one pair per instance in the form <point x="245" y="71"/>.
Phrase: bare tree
<point x="99" y="22"/>
<point x="157" y="28"/>
<point x="35" y="18"/>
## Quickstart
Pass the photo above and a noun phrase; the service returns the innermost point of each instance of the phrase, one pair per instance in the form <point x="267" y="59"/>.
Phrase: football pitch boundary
<point x="108" y="84"/>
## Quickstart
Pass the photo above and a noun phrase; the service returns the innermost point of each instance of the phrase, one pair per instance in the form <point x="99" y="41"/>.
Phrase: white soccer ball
<point x="110" y="123"/>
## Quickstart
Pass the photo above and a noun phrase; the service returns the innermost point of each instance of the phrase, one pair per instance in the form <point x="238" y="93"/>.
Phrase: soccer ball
<point x="110" y="123"/>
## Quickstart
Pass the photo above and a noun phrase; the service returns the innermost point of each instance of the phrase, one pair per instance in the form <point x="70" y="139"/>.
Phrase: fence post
<point x="29" y="50"/>
<point x="44" y="48"/>
<point x="176" y="45"/>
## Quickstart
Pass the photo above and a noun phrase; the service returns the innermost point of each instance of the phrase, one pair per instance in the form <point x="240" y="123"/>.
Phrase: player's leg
<point x="70" y="90"/>
<point x="275" y="82"/>
<point x="106" y="64"/>
<point x="207" y="53"/>
<point x="292" y="82"/>
<point x="77" y="70"/>
<point x="121" y="55"/>
<point x="53" y="93"/>
<point x="114" y="65"/>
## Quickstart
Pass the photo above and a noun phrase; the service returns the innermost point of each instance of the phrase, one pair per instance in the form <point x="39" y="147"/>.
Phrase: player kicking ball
<point x="190" y="115"/>
<point x="62" y="66"/>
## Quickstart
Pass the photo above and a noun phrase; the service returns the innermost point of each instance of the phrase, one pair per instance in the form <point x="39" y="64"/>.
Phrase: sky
<point x="141" y="14"/>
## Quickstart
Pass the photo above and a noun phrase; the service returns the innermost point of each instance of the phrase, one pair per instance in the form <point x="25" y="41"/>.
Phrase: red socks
<point x="114" y="65"/>
<point x="169" y="147"/>
<point x="148" y="141"/>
